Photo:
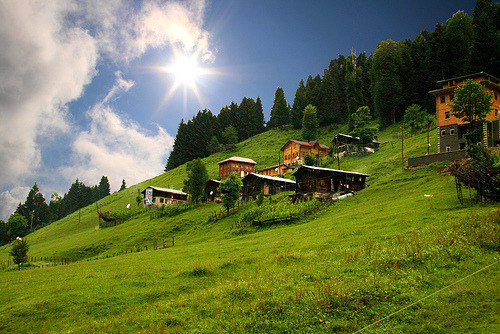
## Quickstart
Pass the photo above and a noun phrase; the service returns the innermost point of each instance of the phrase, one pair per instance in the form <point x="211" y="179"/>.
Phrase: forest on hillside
<point x="392" y="78"/>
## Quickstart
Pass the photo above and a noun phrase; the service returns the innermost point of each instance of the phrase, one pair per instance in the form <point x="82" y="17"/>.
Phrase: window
<point x="443" y="132"/>
<point x="496" y="97"/>
<point x="442" y="99"/>
<point x="446" y="115"/>
<point x="161" y="200"/>
<point x="452" y="132"/>
<point x="448" y="149"/>
<point x="452" y="96"/>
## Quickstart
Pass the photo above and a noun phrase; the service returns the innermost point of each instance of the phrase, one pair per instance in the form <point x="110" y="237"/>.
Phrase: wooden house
<point x="156" y="196"/>
<point x="451" y="129"/>
<point x="294" y="151"/>
<point x="253" y="184"/>
<point x="212" y="190"/>
<point x="236" y="165"/>
<point x="276" y="170"/>
<point x="321" y="182"/>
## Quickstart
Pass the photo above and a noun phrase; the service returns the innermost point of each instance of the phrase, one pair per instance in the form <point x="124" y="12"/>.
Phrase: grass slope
<point x="337" y="270"/>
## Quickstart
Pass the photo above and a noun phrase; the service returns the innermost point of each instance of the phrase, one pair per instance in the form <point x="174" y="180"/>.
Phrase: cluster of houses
<point x="310" y="181"/>
<point x="326" y="183"/>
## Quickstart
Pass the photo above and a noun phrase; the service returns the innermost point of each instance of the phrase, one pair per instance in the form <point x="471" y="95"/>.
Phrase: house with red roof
<point x="295" y="150"/>
<point x="236" y="165"/>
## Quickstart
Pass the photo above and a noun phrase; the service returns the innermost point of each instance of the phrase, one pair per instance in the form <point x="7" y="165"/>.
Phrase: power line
<point x="432" y="294"/>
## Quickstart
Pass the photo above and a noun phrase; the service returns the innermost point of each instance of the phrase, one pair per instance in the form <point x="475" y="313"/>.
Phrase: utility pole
<point x="337" y="149"/>
<point x="402" y="147"/>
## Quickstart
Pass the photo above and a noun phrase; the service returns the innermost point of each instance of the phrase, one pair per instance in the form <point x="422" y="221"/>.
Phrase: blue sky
<point x="85" y="89"/>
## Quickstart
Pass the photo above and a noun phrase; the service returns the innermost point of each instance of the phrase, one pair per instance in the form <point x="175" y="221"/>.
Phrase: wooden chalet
<point x="322" y="182"/>
<point x="253" y="184"/>
<point x="236" y="165"/>
<point x="275" y="170"/>
<point x="294" y="151"/>
<point x="212" y="190"/>
<point x="156" y="196"/>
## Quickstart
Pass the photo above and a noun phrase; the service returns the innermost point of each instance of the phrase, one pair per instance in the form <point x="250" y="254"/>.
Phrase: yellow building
<point x="452" y="129"/>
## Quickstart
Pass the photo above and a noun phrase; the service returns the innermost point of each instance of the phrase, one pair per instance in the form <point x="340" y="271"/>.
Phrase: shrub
<point x="19" y="251"/>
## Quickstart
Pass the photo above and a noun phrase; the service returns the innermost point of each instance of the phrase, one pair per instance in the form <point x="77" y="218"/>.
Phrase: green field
<point x="340" y="269"/>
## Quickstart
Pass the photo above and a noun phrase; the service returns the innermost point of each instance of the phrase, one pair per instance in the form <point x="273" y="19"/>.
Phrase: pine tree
<point x="123" y="186"/>
<point x="280" y="114"/>
<point x="104" y="188"/>
<point x="310" y="123"/>
<point x="354" y="93"/>
<point x="299" y="104"/>
<point x="35" y="209"/>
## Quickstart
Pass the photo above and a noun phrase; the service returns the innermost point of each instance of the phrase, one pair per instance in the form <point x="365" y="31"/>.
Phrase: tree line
<point x="394" y="77"/>
<point x="35" y="213"/>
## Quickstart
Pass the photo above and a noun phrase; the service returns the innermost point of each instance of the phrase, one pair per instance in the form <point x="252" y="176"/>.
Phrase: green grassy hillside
<point x="338" y="270"/>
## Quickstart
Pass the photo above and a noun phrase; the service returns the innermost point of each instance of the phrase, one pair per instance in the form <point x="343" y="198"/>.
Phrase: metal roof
<point x="239" y="159"/>
<point x="173" y="191"/>
<point x="329" y="170"/>
<point x="272" y="178"/>
<point x="304" y="143"/>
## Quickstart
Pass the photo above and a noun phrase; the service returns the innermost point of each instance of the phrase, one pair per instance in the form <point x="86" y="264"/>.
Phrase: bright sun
<point x="186" y="70"/>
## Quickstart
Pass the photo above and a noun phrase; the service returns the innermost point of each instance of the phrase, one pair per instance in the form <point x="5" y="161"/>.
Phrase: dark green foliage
<point x="299" y="104"/>
<point x="197" y="178"/>
<point x="123" y="186"/>
<point x="486" y="38"/>
<point x="353" y="87"/>
<point x="311" y="159"/>
<point x="315" y="97"/>
<point x="459" y="36"/>
<point x="230" y="135"/>
<point x="361" y="128"/>
<point x="213" y="144"/>
<point x="260" y="198"/>
<point x="17" y="226"/>
<point x="417" y="119"/>
<point x="35" y="209"/>
<point x="280" y="113"/>
<point x="19" y="251"/>
<point x="310" y="123"/>
<point x="386" y="86"/>
<point x="471" y="104"/>
<point x="4" y="238"/>
<point x="230" y="190"/>
<point x="104" y="189"/>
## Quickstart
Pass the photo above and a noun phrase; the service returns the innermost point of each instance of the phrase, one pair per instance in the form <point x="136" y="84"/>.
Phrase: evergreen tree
<point x="314" y="96"/>
<point x="361" y="129"/>
<point x="19" y="251"/>
<point x="258" y="123"/>
<point x="227" y="116"/>
<point x="17" y="226"/>
<point x="4" y="237"/>
<point x="310" y="123"/>
<point x="178" y="154"/>
<point x="280" y="114"/>
<point x="230" y="135"/>
<point x="333" y="91"/>
<point x="385" y="83"/>
<point x="486" y="39"/>
<point x="55" y="207"/>
<point x="213" y="144"/>
<point x="353" y="87"/>
<point x="35" y="209"/>
<point x="299" y="104"/>
<point x="123" y="186"/>
<point x="104" y="188"/>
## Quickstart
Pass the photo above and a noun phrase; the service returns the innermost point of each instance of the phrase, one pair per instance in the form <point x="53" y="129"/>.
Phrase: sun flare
<point x="186" y="70"/>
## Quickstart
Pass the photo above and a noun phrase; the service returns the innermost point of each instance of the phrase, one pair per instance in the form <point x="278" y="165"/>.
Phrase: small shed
<point x="253" y="184"/>
<point x="318" y="181"/>
<point x="275" y="170"/>
<point x="343" y="139"/>
<point x="212" y="190"/>
<point x="156" y="196"/>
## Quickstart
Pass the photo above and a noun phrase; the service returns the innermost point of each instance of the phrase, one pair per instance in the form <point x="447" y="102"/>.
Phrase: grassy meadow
<point x="340" y="269"/>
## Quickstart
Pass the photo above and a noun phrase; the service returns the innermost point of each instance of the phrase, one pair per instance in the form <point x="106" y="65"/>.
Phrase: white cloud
<point x="10" y="199"/>
<point x="50" y="51"/>
<point x="43" y="66"/>
<point x="117" y="147"/>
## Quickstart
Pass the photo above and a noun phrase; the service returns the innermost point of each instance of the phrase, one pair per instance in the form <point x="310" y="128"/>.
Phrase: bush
<point x="19" y="251"/>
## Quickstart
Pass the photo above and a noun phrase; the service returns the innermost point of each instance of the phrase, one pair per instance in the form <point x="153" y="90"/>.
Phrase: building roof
<point x="272" y="167"/>
<point x="489" y="80"/>
<point x="473" y="75"/>
<point x="238" y="159"/>
<point x="272" y="178"/>
<point x="165" y="190"/>
<point x="304" y="143"/>
<point x="351" y="137"/>
<point x="313" y="168"/>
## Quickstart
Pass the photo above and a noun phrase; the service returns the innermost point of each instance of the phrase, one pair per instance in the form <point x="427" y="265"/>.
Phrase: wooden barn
<point x="275" y="170"/>
<point x="156" y="196"/>
<point x="343" y="139"/>
<point x="295" y="150"/>
<point x="321" y="182"/>
<point x="212" y="190"/>
<point x="253" y="184"/>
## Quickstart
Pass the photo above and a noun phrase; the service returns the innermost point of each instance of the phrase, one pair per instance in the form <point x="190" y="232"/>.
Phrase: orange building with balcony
<point x="452" y="129"/>
<point x="236" y="165"/>
<point x="294" y="151"/>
